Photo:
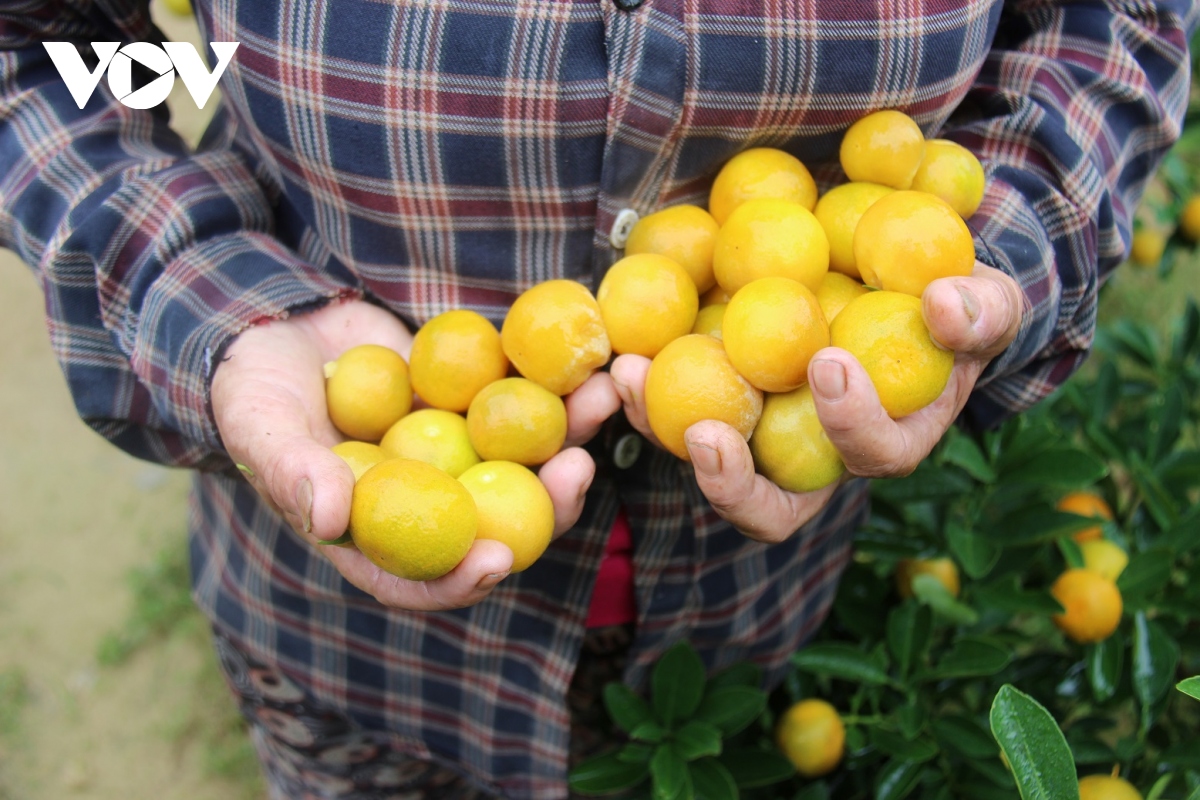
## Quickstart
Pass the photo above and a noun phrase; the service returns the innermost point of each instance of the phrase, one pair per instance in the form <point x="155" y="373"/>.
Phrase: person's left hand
<point x="976" y="317"/>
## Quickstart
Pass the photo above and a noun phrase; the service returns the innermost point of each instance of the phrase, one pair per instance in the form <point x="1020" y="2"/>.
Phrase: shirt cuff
<point x="1059" y="291"/>
<point x="206" y="296"/>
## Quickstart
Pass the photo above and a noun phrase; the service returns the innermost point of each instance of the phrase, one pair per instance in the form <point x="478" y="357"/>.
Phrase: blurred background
<point x="108" y="686"/>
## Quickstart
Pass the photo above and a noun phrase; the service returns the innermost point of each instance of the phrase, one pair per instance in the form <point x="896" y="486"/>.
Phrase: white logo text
<point x="118" y="61"/>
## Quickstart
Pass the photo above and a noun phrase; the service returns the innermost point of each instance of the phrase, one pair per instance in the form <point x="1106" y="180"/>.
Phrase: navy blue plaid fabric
<point x="449" y="154"/>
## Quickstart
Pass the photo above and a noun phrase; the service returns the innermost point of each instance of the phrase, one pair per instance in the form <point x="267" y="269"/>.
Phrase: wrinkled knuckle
<point x="723" y="506"/>
<point x="900" y="468"/>
<point x="436" y="601"/>
<point x="891" y="468"/>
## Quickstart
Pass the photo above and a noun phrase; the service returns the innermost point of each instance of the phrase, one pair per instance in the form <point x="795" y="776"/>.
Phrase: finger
<point x="870" y="442"/>
<point x="302" y="478"/>
<point x="486" y="564"/>
<point x="629" y="379"/>
<point x="589" y="406"/>
<point x="976" y="316"/>
<point x="272" y="420"/>
<point x="341" y="325"/>
<point x="751" y="503"/>
<point x="567" y="477"/>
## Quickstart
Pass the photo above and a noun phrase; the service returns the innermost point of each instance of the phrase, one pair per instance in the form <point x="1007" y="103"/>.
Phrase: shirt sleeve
<point x="1072" y="111"/>
<point x="150" y="258"/>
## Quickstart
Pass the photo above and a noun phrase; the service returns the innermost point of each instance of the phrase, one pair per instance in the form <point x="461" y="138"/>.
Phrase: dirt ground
<point x="76" y="516"/>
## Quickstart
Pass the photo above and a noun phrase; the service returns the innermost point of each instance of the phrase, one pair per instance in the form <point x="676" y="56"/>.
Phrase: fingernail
<point x="249" y="473"/>
<point x="304" y="501"/>
<point x="970" y="303"/>
<point x="488" y="581"/>
<point x="706" y="459"/>
<point x="829" y="379"/>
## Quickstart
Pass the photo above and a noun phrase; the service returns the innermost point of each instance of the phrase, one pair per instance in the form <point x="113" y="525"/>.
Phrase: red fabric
<point x="612" y="598"/>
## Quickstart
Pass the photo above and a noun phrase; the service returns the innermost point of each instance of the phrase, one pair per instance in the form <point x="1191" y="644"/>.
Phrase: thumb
<point x="300" y="477"/>
<point x="977" y="316"/>
<point x="309" y="484"/>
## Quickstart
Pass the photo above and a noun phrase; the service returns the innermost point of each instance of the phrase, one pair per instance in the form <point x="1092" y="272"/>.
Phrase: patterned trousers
<point x="309" y="751"/>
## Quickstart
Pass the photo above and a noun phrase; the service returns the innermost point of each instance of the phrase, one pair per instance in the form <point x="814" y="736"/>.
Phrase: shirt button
<point x="621" y="228"/>
<point x="627" y="450"/>
<point x="627" y="5"/>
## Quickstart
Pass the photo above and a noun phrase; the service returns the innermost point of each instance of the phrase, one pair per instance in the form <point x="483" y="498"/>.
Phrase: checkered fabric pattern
<point x="441" y="154"/>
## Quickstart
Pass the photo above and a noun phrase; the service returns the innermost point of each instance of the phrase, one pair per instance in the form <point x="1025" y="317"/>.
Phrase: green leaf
<point x="1181" y="755"/>
<point x="712" y="781"/>
<point x="818" y="790"/>
<point x="962" y="451"/>
<point x="841" y="661"/>
<point x="1008" y="596"/>
<point x="668" y="773"/>
<point x="606" y="774"/>
<point x="1184" y="536"/>
<point x="1146" y="572"/>
<point x="970" y="657"/>
<point x="1154" y="495"/>
<point x="678" y="681"/>
<point x="1071" y="552"/>
<point x="743" y="673"/>
<point x="1179" y="468"/>
<point x="897" y="780"/>
<point x="1034" y="745"/>
<point x="625" y="707"/>
<point x="964" y="735"/>
<point x="731" y="708"/>
<point x="1155" y="657"/>
<point x="915" y="751"/>
<point x="1190" y="687"/>
<point x="1000" y="784"/>
<point x="1087" y="749"/>
<point x="1105" y="661"/>
<point x="1160" y="786"/>
<point x="1164" y="429"/>
<point x="345" y="540"/>
<point x="695" y="739"/>
<point x="929" y="590"/>
<point x="975" y="552"/>
<point x="752" y="767"/>
<point x="859" y="597"/>
<point x="1132" y="339"/>
<point x="1105" y="391"/>
<point x="1058" y="466"/>
<point x="1187" y="333"/>
<point x="908" y="629"/>
<point x="1105" y="441"/>
<point x="927" y="482"/>
<point x="648" y="731"/>
<point x="1033" y="524"/>
<point x="912" y="717"/>
<point x="1032" y="436"/>
<point x="636" y="753"/>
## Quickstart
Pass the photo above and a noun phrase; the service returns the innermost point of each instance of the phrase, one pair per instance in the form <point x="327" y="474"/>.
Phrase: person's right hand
<point x="268" y="399"/>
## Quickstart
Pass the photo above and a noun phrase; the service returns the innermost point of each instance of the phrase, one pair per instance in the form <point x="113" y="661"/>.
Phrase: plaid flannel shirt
<point x="438" y="154"/>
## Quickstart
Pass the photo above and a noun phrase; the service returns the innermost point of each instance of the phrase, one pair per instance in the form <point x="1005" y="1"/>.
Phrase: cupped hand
<point x="976" y="317"/>
<point x="268" y="398"/>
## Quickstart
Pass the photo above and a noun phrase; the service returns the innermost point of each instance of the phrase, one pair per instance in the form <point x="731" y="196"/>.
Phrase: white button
<point x="628" y="448"/>
<point x="622" y="226"/>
